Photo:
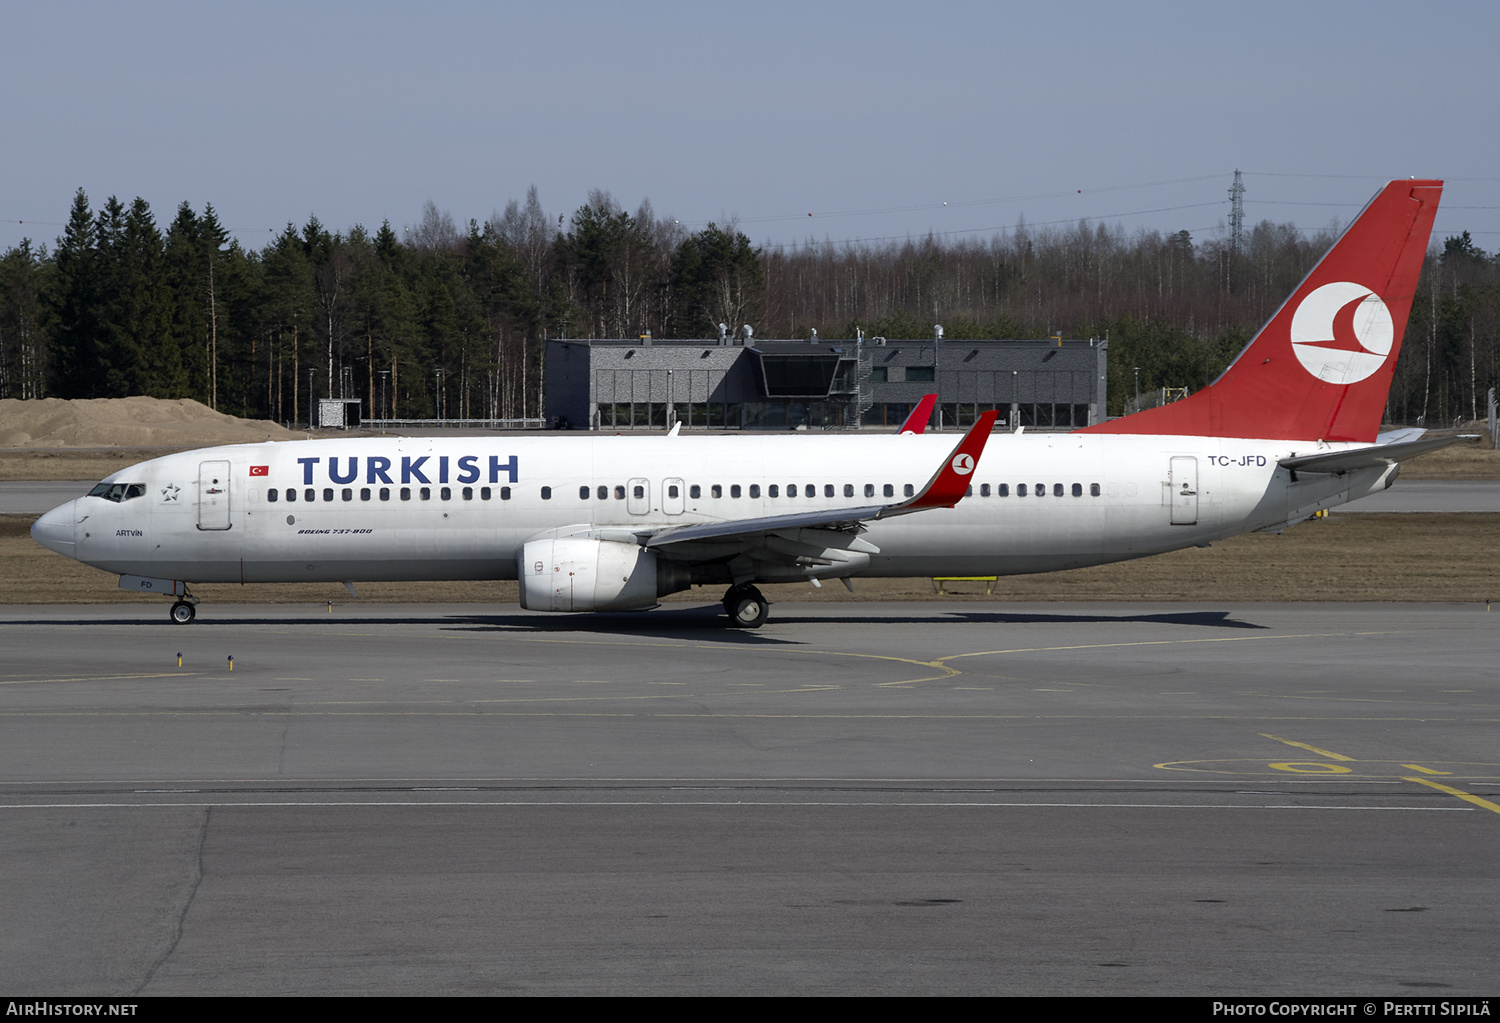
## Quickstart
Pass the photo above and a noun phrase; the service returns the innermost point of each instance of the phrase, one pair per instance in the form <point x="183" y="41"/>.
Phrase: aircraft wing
<point x="944" y="490"/>
<point x="1374" y="456"/>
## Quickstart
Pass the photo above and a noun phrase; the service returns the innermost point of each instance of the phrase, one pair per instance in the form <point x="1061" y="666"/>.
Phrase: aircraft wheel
<point x="183" y="612"/>
<point x="747" y="608"/>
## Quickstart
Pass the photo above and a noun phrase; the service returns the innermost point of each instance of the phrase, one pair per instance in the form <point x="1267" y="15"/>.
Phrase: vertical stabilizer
<point x="1321" y="368"/>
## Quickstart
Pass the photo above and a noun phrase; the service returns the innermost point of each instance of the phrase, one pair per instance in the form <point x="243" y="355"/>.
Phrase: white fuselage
<point x="460" y="508"/>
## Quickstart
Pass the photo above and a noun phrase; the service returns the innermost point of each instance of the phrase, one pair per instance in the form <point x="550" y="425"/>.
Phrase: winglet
<point x="917" y="421"/>
<point x="949" y="484"/>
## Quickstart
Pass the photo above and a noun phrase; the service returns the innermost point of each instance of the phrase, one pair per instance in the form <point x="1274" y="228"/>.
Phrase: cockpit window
<point x="118" y="492"/>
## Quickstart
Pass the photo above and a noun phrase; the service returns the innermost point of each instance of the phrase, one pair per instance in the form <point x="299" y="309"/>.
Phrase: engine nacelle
<point x="580" y="574"/>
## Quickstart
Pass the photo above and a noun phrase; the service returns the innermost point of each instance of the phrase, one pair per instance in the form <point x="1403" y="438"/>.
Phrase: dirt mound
<point x="124" y="422"/>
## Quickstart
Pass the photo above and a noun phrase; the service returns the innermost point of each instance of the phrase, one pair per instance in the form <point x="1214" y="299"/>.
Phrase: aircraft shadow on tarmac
<point x="701" y="622"/>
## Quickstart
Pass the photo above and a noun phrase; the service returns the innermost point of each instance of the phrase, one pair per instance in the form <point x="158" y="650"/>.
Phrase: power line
<point x="1003" y="229"/>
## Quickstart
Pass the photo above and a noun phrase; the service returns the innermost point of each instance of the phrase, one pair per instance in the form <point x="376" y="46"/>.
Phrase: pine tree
<point x="73" y="368"/>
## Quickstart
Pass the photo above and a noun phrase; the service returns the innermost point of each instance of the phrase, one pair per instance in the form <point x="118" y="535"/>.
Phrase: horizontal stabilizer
<point x="1371" y="457"/>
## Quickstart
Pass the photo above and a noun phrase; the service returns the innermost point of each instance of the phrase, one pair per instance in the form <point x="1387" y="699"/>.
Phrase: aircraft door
<point x="213" y="495"/>
<point x="672" y="496"/>
<point x="638" y="496"/>
<point x="1184" y="490"/>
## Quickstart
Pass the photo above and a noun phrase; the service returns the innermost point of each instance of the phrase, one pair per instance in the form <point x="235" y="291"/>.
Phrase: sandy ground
<point x="1453" y="557"/>
<point x="55" y="439"/>
<point x="124" y="422"/>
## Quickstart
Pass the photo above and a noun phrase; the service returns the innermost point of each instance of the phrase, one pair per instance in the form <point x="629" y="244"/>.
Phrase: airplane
<point x="613" y="523"/>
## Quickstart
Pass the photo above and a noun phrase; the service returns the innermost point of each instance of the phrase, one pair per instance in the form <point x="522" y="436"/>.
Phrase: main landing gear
<point x="746" y="607"/>
<point x="185" y="610"/>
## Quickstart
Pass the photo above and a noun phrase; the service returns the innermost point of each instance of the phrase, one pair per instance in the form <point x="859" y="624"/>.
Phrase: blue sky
<point x="868" y="115"/>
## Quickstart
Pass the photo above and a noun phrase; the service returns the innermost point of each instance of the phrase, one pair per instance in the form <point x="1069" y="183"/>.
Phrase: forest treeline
<point x="441" y="320"/>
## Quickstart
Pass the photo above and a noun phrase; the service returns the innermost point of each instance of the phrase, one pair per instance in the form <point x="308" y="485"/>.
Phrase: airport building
<point x="749" y="384"/>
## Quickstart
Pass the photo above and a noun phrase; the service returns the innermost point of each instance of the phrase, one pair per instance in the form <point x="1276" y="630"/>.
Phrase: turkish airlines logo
<point x="1342" y="332"/>
<point x="963" y="464"/>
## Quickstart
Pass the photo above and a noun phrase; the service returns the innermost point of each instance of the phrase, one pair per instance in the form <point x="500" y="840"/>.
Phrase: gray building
<point x="776" y="385"/>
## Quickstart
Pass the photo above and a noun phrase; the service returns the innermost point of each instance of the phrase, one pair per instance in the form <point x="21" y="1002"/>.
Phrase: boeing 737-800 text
<point x="608" y="523"/>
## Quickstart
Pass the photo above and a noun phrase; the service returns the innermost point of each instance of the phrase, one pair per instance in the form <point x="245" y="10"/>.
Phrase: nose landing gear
<point x="746" y="607"/>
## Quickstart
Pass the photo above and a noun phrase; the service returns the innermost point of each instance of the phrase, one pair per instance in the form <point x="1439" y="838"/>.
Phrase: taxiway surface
<point x="864" y="798"/>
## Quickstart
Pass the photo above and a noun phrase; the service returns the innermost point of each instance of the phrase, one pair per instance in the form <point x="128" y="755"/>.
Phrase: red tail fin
<point x="1321" y="368"/>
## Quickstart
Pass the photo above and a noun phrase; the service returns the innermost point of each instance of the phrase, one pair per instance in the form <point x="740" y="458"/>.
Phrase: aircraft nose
<point x="54" y="530"/>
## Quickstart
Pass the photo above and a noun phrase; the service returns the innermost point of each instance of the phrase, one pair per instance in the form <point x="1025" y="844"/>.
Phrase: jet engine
<point x="582" y="574"/>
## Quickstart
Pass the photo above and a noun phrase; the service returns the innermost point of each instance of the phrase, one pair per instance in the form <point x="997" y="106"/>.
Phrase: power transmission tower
<point x="1236" y="214"/>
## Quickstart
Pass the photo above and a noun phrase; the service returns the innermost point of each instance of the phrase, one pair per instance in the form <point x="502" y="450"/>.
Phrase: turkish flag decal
<point x="260" y="470"/>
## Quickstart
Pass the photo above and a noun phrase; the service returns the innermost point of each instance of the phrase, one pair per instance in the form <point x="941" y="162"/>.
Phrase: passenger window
<point x="848" y="489"/>
<point x="672" y="490"/>
<point x="889" y="491"/>
<point x="505" y="493"/>
<point x="695" y="491"/>
<point x="385" y="493"/>
<point x="546" y="493"/>
<point x="716" y="490"/>
<point x="364" y="493"/>
<point x="1003" y="490"/>
<point x="348" y="493"/>
<point x="1078" y="490"/>
<point x="908" y="490"/>
<point x="869" y="490"/>
<point x="619" y="493"/>
<point x="468" y="493"/>
<point x="310" y="494"/>
<point x="1093" y="490"/>
<point x="603" y="493"/>
<point x="1020" y="490"/>
<point x="291" y="495"/>
<point x="1041" y="490"/>
<point x="425" y="493"/>
<point x="984" y="490"/>
<point x="734" y="490"/>
<point x="484" y="493"/>
<point x="755" y="490"/>
<point x="969" y="490"/>
<point x="328" y="493"/>
<point x="771" y="491"/>
<point x="1057" y="490"/>
<point x="828" y="490"/>
<point x="638" y="492"/>
<point x="406" y="493"/>
<point x="583" y="493"/>
<point x="445" y="493"/>
<point x="270" y="495"/>
<point x="791" y="490"/>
